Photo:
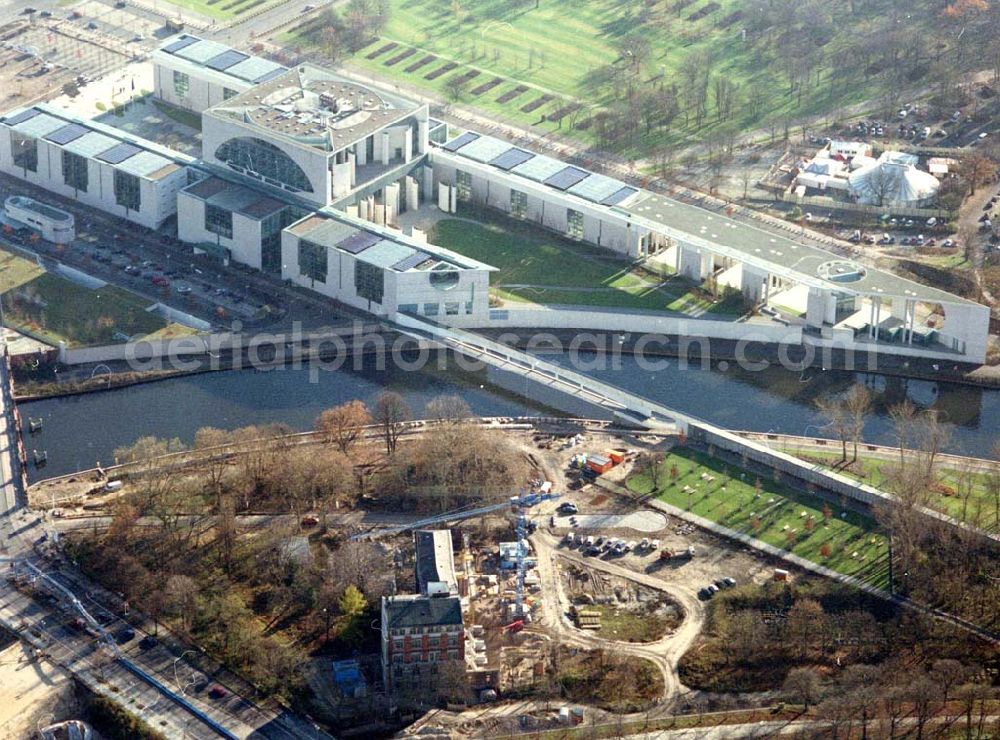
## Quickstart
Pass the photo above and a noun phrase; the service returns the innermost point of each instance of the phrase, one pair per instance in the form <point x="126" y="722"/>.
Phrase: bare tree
<point x="857" y="404"/>
<point x="803" y="684"/>
<point x="448" y="408"/>
<point x="837" y="421"/>
<point x="391" y="414"/>
<point x="343" y="424"/>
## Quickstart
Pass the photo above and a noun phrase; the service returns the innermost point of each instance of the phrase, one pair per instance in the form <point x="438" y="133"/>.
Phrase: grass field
<point x="539" y="267"/>
<point x="874" y="470"/>
<point x="55" y="309"/>
<point x="575" y="51"/>
<point x="219" y="9"/>
<point x="773" y="512"/>
<point x="16" y="271"/>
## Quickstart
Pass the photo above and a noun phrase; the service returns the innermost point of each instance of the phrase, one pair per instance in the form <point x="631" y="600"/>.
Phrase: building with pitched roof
<point x="435" y="562"/>
<point x="419" y="633"/>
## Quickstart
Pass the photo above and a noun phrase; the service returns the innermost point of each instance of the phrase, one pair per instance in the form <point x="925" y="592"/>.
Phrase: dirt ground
<point x="31" y="693"/>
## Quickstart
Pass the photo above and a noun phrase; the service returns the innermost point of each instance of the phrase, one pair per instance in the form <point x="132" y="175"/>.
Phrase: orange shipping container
<point x="616" y="457"/>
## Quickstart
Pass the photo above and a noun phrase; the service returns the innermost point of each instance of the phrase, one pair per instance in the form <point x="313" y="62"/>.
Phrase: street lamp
<point x="326" y="617"/>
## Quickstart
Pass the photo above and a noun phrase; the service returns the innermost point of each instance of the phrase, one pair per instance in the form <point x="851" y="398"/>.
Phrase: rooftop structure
<point x="95" y="164"/>
<point x="538" y="168"/>
<point x="312" y="106"/>
<point x="435" y="566"/>
<point x="312" y="133"/>
<point x="417" y="610"/>
<point x="196" y="74"/>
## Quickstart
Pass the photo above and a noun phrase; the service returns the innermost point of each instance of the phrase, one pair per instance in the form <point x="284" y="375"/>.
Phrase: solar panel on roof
<point x="119" y="153"/>
<point x="511" y="159"/>
<point x="619" y="196"/>
<point x="410" y="262"/>
<point x="21" y="117"/>
<point x="226" y="59"/>
<point x="270" y="75"/>
<point x="66" y="134"/>
<point x="359" y="242"/>
<point x="456" y="144"/>
<point x="566" y="178"/>
<point x="182" y="42"/>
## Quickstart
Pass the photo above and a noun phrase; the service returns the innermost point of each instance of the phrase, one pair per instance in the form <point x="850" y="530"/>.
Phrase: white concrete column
<point x="361" y="149"/>
<point x="428" y="182"/>
<point x="422" y="133"/>
<point x="383" y="147"/>
<point x="408" y="144"/>
<point x="412" y="193"/>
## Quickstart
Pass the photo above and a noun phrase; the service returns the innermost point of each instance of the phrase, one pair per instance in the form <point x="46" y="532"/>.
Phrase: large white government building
<point x="93" y="163"/>
<point x="304" y="175"/>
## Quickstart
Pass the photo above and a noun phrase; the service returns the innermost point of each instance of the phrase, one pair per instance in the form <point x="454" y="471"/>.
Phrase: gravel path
<point x="640" y="521"/>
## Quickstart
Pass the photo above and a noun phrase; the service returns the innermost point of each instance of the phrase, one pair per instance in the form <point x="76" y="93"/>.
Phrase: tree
<point x="976" y="169"/>
<point x="837" y="421"/>
<point x="803" y="684"/>
<point x="343" y="424"/>
<point x="448" y="408"/>
<point x="352" y="602"/>
<point x="948" y="673"/>
<point x="857" y="404"/>
<point x="455" y="86"/>
<point x="352" y="605"/>
<point x="216" y="462"/>
<point x="144" y="459"/>
<point x="391" y="414"/>
<point x="181" y="598"/>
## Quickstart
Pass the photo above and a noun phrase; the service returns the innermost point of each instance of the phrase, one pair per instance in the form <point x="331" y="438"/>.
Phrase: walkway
<point x="10" y="464"/>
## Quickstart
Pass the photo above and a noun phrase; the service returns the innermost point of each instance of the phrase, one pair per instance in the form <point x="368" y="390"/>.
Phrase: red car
<point x="161" y="281"/>
<point x="217" y="692"/>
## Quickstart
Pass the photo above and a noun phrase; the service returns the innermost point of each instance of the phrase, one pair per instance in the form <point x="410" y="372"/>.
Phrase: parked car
<point x="309" y="520"/>
<point x="217" y="692"/>
<point x="148" y="642"/>
<point x="567" y="507"/>
<point x="125" y="635"/>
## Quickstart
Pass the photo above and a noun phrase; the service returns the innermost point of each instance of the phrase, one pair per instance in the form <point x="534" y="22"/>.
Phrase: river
<point x="82" y="430"/>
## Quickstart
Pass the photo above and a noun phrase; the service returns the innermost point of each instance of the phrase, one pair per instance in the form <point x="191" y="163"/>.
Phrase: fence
<point x="875" y="211"/>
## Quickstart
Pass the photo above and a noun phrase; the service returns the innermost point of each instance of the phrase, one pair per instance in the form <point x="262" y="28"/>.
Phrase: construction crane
<point x="520" y="504"/>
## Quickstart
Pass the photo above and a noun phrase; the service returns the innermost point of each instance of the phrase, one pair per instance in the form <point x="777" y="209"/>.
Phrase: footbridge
<point x="623" y="406"/>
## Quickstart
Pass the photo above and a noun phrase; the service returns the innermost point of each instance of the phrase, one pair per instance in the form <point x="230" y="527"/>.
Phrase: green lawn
<point x="537" y="266"/>
<point x="573" y="51"/>
<point x="16" y="270"/>
<point x="775" y="513"/>
<point x="55" y="309"/>
<point x="218" y="9"/>
<point x="947" y="498"/>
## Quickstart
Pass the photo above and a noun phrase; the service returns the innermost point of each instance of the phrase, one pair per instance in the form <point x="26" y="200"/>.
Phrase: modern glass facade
<point x="369" y="281"/>
<point x="463" y="183"/>
<point x="219" y="221"/>
<point x="264" y="161"/>
<point x="574" y="224"/>
<point x="127" y="191"/>
<point x="270" y="238"/>
<point x="312" y="260"/>
<point x="24" y="151"/>
<point x="182" y="83"/>
<point x="518" y="204"/>
<point x="75" y="172"/>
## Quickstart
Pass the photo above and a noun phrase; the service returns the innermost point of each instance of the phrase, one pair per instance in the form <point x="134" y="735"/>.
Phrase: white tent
<point x="889" y="183"/>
